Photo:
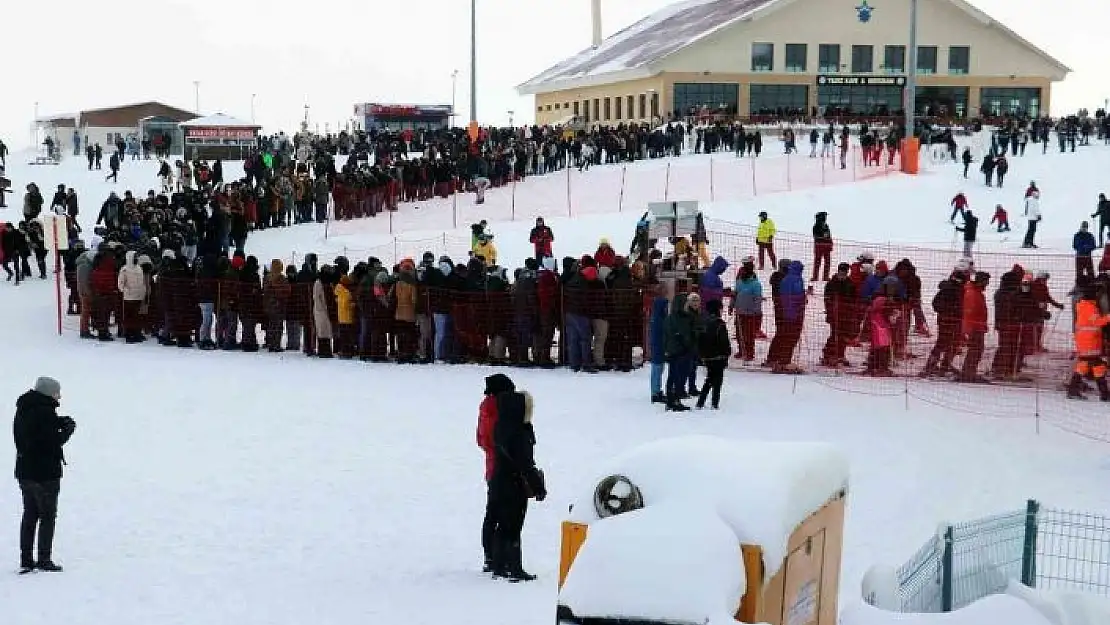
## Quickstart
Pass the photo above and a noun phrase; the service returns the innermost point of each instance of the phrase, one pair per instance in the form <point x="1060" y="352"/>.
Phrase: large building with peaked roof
<point x="749" y="58"/>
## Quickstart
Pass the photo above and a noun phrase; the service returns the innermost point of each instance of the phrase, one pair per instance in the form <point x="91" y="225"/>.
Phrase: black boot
<point x="659" y="398"/>
<point x="674" y="405"/>
<point x="1103" y="389"/>
<point x="1075" y="387"/>
<point x="325" y="349"/>
<point x="48" y="566"/>
<point x="516" y="572"/>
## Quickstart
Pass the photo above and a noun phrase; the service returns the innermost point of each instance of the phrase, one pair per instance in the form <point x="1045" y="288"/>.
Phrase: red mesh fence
<point x="608" y="189"/>
<point x="1033" y="390"/>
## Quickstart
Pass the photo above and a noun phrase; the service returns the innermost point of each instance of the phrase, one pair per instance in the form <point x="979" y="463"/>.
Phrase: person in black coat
<point x="714" y="348"/>
<point x="39" y="436"/>
<point x="515" y="480"/>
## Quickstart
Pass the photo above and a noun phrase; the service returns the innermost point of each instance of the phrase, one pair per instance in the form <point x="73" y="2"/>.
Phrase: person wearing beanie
<point x="714" y="348"/>
<point x="40" y="433"/>
<point x="974" y="326"/>
<point x="496" y="384"/>
<point x="840" y="313"/>
<point x="765" y="239"/>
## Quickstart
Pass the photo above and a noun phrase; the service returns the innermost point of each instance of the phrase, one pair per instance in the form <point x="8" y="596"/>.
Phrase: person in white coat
<point x="322" y="290"/>
<point x="1033" y="215"/>
<point x="132" y="285"/>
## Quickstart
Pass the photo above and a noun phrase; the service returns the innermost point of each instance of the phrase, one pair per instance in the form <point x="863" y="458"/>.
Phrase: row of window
<point x="862" y="59"/>
<point x="609" y="109"/>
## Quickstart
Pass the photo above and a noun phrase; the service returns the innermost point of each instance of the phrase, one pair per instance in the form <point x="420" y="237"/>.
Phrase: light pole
<point x="510" y="119"/>
<point x="253" y="95"/>
<point x="454" y="88"/>
<point x="911" y="72"/>
<point x="473" y="61"/>
<point x="196" y="93"/>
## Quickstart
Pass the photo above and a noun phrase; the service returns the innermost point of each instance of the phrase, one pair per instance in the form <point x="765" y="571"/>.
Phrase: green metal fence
<point x="1040" y="547"/>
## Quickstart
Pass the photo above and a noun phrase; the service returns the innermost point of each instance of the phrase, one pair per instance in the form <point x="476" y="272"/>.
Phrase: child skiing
<point x="1001" y="218"/>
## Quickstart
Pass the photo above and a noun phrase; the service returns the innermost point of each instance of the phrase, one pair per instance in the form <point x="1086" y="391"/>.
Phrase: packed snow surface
<point x="257" y="489"/>
<point x="669" y="562"/>
<point x="993" y="610"/>
<point x="762" y="490"/>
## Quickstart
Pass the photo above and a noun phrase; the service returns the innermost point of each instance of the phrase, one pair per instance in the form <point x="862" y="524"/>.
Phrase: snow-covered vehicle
<point x="707" y="530"/>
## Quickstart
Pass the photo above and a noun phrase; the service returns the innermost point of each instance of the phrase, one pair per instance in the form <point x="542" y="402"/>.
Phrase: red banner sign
<point x="200" y="132"/>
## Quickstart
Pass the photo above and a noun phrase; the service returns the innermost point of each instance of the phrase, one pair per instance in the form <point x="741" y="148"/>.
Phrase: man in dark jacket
<point x="1084" y="244"/>
<point x="714" y="349"/>
<point x="680" y="345"/>
<point x="948" y="305"/>
<point x="39" y="436"/>
<point x="840" y="313"/>
<point x="1103" y="214"/>
<point x="514" y="481"/>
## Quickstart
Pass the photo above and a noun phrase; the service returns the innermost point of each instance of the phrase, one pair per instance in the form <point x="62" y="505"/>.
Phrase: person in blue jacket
<point x="792" y="294"/>
<point x="1084" y="243"/>
<point x="657" y="335"/>
<point x="712" y="287"/>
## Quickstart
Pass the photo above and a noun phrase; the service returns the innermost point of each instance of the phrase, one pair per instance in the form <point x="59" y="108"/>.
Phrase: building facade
<point x="108" y="125"/>
<point x="398" y="117"/>
<point x="796" y="58"/>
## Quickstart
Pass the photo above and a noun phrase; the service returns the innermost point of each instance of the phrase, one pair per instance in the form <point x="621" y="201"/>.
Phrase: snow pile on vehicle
<point x="1063" y="607"/>
<point x="761" y="490"/>
<point x="992" y="610"/>
<point x="670" y="563"/>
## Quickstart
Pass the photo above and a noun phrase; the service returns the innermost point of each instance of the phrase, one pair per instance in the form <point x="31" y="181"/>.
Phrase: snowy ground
<point x="256" y="489"/>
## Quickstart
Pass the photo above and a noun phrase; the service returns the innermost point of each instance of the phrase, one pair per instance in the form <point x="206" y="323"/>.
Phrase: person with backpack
<point x="714" y="348"/>
<point x="948" y="305"/>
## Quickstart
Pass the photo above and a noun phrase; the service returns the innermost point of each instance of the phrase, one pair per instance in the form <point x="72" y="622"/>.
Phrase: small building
<point x="108" y="125"/>
<point x="398" y="117"/>
<point x="799" y="58"/>
<point x="219" y="136"/>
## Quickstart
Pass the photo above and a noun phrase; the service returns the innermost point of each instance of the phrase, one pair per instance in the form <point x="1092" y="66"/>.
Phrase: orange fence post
<point x="911" y="155"/>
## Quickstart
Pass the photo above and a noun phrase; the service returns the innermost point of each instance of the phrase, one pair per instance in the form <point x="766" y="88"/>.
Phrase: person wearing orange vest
<point x="1089" y="322"/>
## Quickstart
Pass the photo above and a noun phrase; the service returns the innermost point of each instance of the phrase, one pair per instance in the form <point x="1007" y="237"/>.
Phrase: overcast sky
<point x="70" y="55"/>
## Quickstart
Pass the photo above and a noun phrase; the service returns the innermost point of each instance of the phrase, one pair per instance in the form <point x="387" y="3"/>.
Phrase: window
<point x="1010" y="101"/>
<point x="779" y="100"/>
<point x="556" y="106"/>
<point x="608" y="109"/>
<point x="926" y="59"/>
<point x="763" y="57"/>
<point x="863" y="59"/>
<point x="643" y="106"/>
<point x="691" y="99"/>
<point x="631" y="107"/>
<point x="945" y="102"/>
<point x="894" y="59"/>
<point x="597" y="110"/>
<point x="959" y="60"/>
<point x="654" y="104"/>
<point x="828" y="58"/>
<point x="576" y="109"/>
<point x="796" y="57"/>
<point x="618" y="101"/>
<point x="539" y="109"/>
<point x="549" y="107"/>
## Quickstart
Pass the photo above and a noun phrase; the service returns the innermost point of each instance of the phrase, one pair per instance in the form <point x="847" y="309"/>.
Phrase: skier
<point x="959" y="203"/>
<point x="39" y="436"/>
<point x="1001" y="218"/>
<point x="970" y="230"/>
<point x="967" y="160"/>
<point x="113" y="165"/>
<point x="1033" y="217"/>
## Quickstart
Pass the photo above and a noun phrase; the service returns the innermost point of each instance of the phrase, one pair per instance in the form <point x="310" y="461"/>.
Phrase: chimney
<point x="596" y="22"/>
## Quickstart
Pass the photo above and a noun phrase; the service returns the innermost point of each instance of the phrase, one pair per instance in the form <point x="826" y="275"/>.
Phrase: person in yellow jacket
<point x="486" y="249"/>
<point x="345" y="314"/>
<point x="765" y="239"/>
<point x="1089" y="322"/>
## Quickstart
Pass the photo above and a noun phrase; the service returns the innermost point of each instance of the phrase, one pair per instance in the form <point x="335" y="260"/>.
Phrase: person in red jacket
<point x="1001" y="218"/>
<point x="496" y="384"/>
<point x="959" y="205"/>
<point x="974" y="326"/>
<point x="605" y="256"/>
<point x="541" y="239"/>
<point x="102" y="279"/>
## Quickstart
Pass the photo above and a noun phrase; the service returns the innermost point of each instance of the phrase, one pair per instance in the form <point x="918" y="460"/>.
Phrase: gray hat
<point x="49" y="387"/>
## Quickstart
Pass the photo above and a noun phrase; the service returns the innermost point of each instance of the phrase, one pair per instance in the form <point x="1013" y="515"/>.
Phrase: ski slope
<point x="232" y="488"/>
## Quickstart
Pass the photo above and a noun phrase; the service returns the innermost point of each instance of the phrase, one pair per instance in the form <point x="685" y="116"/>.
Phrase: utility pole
<point x="454" y="88"/>
<point x="196" y="92"/>
<point x="474" y="61"/>
<point x="911" y="72"/>
<point x="253" y="95"/>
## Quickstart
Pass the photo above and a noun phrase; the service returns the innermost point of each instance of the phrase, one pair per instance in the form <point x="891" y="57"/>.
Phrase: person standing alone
<point x="39" y="436"/>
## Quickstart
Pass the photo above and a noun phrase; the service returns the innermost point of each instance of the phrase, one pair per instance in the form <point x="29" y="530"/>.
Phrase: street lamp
<point x="510" y="119"/>
<point x="454" y="88"/>
<point x="196" y="93"/>
<point x="911" y="72"/>
<point x="253" y="95"/>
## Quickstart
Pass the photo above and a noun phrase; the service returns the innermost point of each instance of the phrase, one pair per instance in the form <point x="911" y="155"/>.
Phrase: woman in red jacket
<point x="496" y="384"/>
<point x="102" y="279"/>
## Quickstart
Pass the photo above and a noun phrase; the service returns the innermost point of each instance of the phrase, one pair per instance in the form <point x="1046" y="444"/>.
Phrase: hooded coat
<point x="657" y="330"/>
<point x="39" y="435"/>
<point x="514" y="467"/>
<point x="793" y="293"/>
<point x="131" y="281"/>
<point x="681" y="325"/>
<point x="321" y="293"/>
<point x="496" y="384"/>
<point x="712" y="288"/>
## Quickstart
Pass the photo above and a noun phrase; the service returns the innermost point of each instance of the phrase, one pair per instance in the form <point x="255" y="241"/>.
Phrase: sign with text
<point x="201" y="132"/>
<point x="861" y="81"/>
<point x="405" y="110"/>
